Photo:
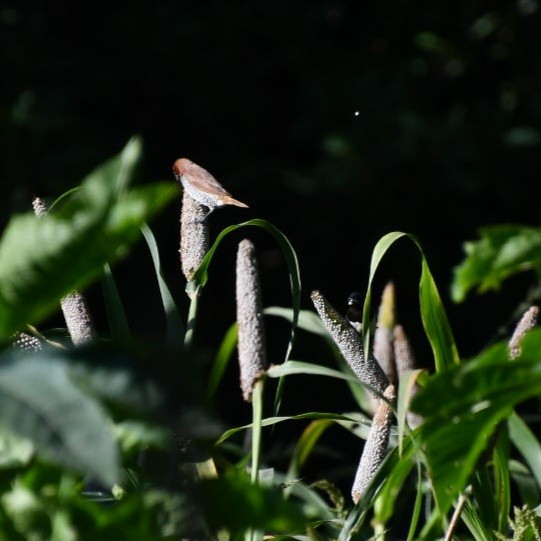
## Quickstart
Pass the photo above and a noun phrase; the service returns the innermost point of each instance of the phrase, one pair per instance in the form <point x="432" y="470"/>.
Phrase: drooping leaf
<point x="200" y="278"/>
<point x="38" y="401"/>
<point x="433" y="314"/>
<point x="500" y="252"/>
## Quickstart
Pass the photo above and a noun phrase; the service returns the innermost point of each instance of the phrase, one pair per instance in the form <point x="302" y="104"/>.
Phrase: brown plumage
<point x="202" y="186"/>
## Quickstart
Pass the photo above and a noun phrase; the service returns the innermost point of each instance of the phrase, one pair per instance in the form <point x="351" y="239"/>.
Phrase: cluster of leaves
<point x="113" y="440"/>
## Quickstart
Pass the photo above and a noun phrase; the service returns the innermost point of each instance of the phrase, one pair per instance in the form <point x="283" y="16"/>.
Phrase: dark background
<point x="338" y="121"/>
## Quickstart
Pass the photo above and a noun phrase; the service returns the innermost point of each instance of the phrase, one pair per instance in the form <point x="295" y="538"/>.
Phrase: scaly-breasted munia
<point x="202" y="186"/>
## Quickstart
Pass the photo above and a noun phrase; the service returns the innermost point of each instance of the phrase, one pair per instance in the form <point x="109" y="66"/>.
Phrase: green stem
<point x="192" y="318"/>
<point x="257" y="417"/>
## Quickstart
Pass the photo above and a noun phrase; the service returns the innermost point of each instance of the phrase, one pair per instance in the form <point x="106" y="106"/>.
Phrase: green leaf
<point x="269" y="421"/>
<point x="175" y="327"/>
<point x="435" y="322"/>
<point x="200" y="278"/>
<point x="527" y="444"/>
<point x="43" y="259"/>
<point x="116" y="315"/>
<point x="298" y="367"/>
<point x="232" y="502"/>
<point x="433" y="314"/>
<point x="310" y="322"/>
<point x="225" y="352"/>
<point x="462" y="407"/>
<point x="501" y="251"/>
<point x="38" y="401"/>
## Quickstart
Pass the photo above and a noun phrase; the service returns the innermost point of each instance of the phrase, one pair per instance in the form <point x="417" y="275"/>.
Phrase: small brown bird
<point x="202" y="186"/>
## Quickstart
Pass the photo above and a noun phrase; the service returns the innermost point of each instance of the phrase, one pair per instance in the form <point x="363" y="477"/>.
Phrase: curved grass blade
<point x="225" y="352"/>
<point x="270" y="421"/>
<point x="433" y="314"/>
<point x="305" y="444"/>
<point x="406" y="385"/>
<point x="200" y="278"/>
<point x="416" y="506"/>
<point x="502" y="484"/>
<point x="377" y="255"/>
<point x="175" y="328"/>
<point x="116" y="315"/>
<point x="310" y="322"/>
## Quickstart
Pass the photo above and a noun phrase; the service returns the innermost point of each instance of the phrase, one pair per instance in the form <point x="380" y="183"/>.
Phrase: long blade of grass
<point x="377" y="255"/>
<point x="175" y="328"/>
<point x="417" y="505"/>
<point x="358" y="514"/>
<point x="310" y="322"/>
<point x="225" y="352"/>
<point x="406" y="385"/>
<point x="270" y="421"/>
<point x="305" y="444"/>
<point x="527" y="444"/>
<point x="502" y="485"/>
<point x="116" y="315"/>
<point x="433" y="314"/>
<point x="200" y="278"/>
<point x="298" y="367"/>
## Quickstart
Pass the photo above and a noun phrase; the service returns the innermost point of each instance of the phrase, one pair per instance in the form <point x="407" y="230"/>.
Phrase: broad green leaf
<point x="232" y="502"/>
<point x="38" y="401"/>
<point x="462" y="408"/>
<point x="500" y="252"/>
<point x="15" y="451"/>
<point x="435" y="323"/>
<point x="43" y="259"/>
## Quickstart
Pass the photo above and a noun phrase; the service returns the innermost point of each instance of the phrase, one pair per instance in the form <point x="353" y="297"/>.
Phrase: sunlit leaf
<point x="43" y="259"/>
<point x="462" y="408"/>
<point x="433" y="314"/>
<point x="500" y="252"/>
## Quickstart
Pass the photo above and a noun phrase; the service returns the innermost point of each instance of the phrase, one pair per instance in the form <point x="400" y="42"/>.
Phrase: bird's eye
<point x="355" y="307"/>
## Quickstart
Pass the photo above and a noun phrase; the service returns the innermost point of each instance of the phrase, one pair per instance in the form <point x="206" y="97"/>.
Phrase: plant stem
<point x="192" y="318"/>
<point x="257" y="417"/>
<point x="456" y="515"/>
